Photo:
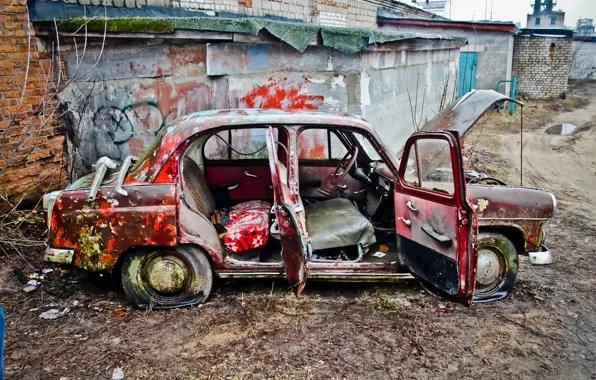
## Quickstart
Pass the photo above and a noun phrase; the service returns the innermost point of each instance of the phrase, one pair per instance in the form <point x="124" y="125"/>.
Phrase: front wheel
<point x="496" y="268"/>
<point x="164" y="278"/>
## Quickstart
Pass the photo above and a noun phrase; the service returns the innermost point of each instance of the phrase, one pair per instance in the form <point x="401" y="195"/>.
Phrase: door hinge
<point x="462" y="215"/>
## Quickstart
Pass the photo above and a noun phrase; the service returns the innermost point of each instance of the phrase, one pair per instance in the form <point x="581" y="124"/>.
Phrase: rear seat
<point x="248" y="225"/>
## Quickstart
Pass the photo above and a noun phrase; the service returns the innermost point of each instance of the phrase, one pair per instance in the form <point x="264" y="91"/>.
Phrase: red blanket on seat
<point x="248" y="226"/>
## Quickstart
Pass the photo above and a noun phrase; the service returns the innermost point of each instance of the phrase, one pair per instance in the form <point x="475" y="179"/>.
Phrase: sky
<point x="516" y="10"/>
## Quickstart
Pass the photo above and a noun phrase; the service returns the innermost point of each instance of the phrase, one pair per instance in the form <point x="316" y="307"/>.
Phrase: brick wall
<point x="355" y="13"/>
<point x="30" y="137"/>
<point x="541" y="65"/>
<point x="583" y="64"/>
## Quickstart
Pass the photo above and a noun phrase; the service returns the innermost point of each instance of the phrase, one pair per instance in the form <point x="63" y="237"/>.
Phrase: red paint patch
<point x="281" y="94"/>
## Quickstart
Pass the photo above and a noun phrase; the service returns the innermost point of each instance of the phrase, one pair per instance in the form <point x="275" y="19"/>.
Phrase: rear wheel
<point x="496" y="268"/>
<point x="164" y="278"/>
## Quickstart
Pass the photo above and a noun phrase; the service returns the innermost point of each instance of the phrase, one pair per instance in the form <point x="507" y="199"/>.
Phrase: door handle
<point x="430" y="231"/>
<point x="411" y="206"/>
<point x="343" y="187"/>
<point x="407" y="222"/>
<point x="232" y="187"/>
<point x="248" y="174"/>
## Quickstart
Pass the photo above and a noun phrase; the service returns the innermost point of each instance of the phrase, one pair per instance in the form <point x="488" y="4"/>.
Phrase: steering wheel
<point x="344" y="166"/>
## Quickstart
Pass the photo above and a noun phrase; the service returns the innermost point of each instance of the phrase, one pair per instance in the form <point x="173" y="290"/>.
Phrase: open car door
<point x="436" y="226"/>
<point x="288" y="214"/>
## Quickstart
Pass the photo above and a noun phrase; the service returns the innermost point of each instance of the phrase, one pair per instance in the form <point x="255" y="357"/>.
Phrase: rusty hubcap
<point x="166" y="275"/>
<point x="489" y="267"/>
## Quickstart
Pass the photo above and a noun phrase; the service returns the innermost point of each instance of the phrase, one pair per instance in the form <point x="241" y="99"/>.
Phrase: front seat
<point x="337" y="223"/>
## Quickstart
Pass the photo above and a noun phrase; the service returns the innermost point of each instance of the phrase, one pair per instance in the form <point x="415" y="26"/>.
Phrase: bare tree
<point x="26" y="120"/>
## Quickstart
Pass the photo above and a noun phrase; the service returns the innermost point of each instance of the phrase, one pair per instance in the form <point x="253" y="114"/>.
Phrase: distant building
<point x="438" y="7"/>
<point x="585" y="27"/>
<point x="545" y="16"/>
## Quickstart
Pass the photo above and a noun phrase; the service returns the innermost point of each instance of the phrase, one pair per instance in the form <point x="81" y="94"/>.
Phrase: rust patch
<point x="101" y="230"/>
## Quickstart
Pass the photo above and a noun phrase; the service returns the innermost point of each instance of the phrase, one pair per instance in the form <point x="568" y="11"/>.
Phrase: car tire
<point x="496" y="268"/>
<point x="165" y="278"/>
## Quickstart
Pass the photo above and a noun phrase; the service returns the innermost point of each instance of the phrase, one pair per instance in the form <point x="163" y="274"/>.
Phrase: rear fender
<point x="101" y="229"/>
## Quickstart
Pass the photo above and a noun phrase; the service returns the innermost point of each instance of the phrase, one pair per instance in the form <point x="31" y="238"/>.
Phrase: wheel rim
<point x="490" y="269"/>
<point x="165" y="277"/>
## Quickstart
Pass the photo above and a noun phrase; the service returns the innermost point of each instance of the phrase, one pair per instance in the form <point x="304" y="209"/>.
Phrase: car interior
<point x="345" y="200"/>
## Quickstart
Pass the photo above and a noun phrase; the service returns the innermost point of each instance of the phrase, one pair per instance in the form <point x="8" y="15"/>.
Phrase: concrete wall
<point x="583" y="65"/>
<point x="136" y="88"/>
<point x="541" y="65"/>
<point x="401" y="90"/>
<point x="494" y="48"/>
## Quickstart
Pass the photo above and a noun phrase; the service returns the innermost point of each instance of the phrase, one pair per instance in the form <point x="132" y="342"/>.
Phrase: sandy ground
<point x="248" y="329"/>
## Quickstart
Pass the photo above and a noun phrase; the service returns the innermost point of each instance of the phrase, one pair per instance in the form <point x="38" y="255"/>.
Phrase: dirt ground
<point x="250" y="329"/>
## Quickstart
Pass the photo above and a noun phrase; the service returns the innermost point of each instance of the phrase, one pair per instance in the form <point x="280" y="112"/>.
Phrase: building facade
<point x="545" y="16"/>
<point x="484" y="60"/>
<point x="542" y="62"/>
<point x="438" y="7"/>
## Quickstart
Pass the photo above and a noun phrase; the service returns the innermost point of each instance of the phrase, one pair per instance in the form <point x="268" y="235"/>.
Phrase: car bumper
<point x="58" y="255"/>
<point x="542" y="257"/>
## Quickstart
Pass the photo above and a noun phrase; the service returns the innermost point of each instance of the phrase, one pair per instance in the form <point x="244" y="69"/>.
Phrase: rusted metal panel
<point x="231" y="58"/>
<point x="466" y="112"/>
<point x="195" y="228"/>
<point x="100" y="230"/>
<point x="525" y="209"/>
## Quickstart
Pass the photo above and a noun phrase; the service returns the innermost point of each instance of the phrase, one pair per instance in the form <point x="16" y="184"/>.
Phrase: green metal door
<point x="467" y="73"/>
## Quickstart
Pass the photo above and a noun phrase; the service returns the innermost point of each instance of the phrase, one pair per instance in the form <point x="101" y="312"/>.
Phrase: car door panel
<point x="245" y="180"/>
<point x="288" y="214"/>
<point x="435" y="224"/>
<point x="440" y="257"/>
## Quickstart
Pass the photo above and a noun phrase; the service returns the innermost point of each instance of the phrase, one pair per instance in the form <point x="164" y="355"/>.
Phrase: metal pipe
<point x="123" y="171"/>
<point x="102" y="166"/>
<point x="537" y="4"/>
<point x="549" y="5"/>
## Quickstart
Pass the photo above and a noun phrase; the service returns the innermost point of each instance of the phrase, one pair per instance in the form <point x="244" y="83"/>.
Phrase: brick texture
<point x="541" y="65"/>
<point x="31" y="137"/>
<point x="355" y="13"/>
<point x="583" y="64"/>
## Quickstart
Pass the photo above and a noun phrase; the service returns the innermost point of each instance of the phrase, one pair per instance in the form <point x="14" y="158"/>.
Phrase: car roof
<point x="187" y="126"/>
<point x="250" y="116"/>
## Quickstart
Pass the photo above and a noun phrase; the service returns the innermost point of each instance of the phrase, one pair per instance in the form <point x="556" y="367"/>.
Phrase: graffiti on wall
<point x="135" y="124"/>
<point x="282" y="93"/>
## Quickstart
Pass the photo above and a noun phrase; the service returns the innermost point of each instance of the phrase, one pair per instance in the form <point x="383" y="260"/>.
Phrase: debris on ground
<point x="54" y="313"/>
<point x="31" y="286"/>
<point x="118" y="374"/>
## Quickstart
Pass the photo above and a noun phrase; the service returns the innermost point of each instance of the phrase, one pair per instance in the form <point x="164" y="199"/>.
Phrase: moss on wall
<point x="348" y="40"/>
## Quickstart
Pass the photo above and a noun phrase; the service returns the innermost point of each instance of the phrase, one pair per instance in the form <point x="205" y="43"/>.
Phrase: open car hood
<point x="464" y="114"/>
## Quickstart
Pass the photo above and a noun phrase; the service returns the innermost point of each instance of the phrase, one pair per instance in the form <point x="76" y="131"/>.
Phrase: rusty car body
<point x="350" y="211"/>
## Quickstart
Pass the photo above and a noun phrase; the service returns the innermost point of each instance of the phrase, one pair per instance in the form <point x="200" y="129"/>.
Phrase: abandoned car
<point x="299" y="194"/>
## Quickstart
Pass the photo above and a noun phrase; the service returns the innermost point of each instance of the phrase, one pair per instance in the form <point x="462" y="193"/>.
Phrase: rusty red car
<point x="314" y="195"/>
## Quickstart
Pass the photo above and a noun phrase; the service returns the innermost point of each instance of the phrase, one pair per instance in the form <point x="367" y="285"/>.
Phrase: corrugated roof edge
<point x="298" y="35"/>
<point x="554" y="32"/>
<point x="485" y="25"/>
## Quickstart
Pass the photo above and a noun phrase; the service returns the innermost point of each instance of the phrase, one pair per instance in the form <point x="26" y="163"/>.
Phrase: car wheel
<point x="496" y="268"/>
<point x="164" y="278"/>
